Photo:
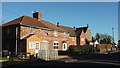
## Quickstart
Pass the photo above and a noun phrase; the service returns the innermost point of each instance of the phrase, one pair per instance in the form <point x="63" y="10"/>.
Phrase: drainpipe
<point x="16" y="40"/>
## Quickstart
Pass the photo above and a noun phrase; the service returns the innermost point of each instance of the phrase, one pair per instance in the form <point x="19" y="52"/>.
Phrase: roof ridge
<point x="67" y="26"/>
<point x="22" y="19"/>
<point x="51" y="24"/>
<point x="82" y="27"/>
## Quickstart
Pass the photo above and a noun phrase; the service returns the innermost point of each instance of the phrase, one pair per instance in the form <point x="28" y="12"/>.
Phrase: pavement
<point x="111" y="60"/>
<point x="3" y="60"/>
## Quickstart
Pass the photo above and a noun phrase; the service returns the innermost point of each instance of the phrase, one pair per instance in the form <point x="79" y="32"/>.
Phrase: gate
<point x="48" y="54"/>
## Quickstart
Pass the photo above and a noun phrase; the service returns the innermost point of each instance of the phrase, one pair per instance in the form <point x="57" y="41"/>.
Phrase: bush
<point x="77" y="50"/>
<point x="74" y="50"/>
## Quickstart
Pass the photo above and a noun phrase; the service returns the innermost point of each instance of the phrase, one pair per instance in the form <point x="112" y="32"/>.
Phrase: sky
<point x="100" y="16"/>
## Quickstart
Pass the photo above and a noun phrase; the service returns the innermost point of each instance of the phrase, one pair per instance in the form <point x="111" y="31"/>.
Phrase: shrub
<point x="77" y="50"/>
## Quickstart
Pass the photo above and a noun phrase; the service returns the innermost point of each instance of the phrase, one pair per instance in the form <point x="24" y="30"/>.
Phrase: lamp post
<point x="113" y="37"/>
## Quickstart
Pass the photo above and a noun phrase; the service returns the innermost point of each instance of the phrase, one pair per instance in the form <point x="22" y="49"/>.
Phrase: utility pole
<point x="113" y="37"/>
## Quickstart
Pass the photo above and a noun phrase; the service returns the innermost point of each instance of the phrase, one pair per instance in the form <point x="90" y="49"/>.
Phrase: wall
<point x="104" y="47"/>
<point x="33" y="38"/>
<point x="82" y="36"/>
<point x="88" y="34"/>
<point x="71" y="42"/>
<point x="49" y="37"/>
<point x="9" y="38"/>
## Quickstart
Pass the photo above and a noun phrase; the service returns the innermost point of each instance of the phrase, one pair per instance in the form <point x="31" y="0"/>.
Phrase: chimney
<point x="74" y="27"/>
<point x="37" y="15"/>
<point x="87" y="25"/>
<point x="58" y="24"/>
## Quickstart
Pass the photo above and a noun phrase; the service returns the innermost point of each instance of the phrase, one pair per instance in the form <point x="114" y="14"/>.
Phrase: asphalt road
<point x="94" y="61"/>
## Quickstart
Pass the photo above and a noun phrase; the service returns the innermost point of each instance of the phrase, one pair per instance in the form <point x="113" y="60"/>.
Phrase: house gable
<point x="82" y="38"/>
<point x="88" y="34"/>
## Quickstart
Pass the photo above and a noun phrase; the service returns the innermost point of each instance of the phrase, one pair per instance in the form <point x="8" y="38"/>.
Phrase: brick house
<point x="27" y="34"/>
<point x="30" y="34"/>
<point x="81" y="36"/>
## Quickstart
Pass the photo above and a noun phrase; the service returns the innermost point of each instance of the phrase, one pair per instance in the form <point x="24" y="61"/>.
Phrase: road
<point x="94" y="60"/>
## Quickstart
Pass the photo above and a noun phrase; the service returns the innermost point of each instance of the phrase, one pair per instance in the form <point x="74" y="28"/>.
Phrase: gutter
<point x="41" y="27"/>
<point x="35" y="26"/>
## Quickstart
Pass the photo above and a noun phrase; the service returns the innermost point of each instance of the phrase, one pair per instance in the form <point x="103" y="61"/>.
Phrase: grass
<point x="5" y="58"/>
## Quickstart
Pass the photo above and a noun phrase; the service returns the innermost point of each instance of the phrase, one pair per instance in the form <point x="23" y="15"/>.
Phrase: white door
<point x="44" y="45"/>
<point x="64" y="46"/>
<point x="37" y="47"/>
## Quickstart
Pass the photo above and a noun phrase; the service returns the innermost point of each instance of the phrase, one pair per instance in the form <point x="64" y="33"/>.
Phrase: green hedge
<point x="77" y="50"/>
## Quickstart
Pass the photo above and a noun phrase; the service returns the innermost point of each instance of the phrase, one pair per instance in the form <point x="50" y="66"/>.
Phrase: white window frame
<point x="63" y="47"/>
<point x="55" y="33"/>
<point x="64" y="34"/>
<point x="36" y="45"/>
<point x="73" y="38"/>
<point x="56" y="45"/>
<point x="82" y="39"/>
<point x="32" y="45"/>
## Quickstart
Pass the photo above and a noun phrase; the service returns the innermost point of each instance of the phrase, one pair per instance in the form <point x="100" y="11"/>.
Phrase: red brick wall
<point x="50" y="37"/>
<point x="32" y="38"/>
<point x="71" y="42"/>
<point x="82" y="36"/>
<point x="104" y="47"/>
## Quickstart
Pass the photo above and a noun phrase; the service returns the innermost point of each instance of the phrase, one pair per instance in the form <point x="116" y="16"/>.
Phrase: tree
<point x="109" y="40"/>
<point x="97" y="37"/>
<point x="103" y="38"/>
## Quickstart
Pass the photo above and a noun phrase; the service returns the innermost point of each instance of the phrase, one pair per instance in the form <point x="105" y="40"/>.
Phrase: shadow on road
<point x="91" y="60"/>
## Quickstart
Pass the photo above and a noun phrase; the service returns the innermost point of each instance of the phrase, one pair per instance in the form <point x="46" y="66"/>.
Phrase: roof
<point x="72" y="31"/>
<point x="93" y="39"/>
<point x="84" y="28"/>
<point x="26" y="20"/>
<point x="28" y="36"/>
<point x="15" y="21"/>
<point x="52" y="26"/>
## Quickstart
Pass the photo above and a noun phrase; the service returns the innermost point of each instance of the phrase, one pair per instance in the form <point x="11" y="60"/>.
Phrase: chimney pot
<point x="37" y="15"/>
<point x="58" y="24"/>
<point x="74" y="27"/>
<point x="87" y="25"/>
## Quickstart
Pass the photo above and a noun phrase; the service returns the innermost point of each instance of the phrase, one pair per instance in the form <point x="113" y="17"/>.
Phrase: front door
<point x="64" y="46"/>
<point x="44" y="45"/>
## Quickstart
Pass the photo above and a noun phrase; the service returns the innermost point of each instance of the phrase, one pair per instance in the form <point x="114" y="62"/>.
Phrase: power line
<point x="11" y="12"/>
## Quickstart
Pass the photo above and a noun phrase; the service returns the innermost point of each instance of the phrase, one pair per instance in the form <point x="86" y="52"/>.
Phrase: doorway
<point x="64" y="46"/>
